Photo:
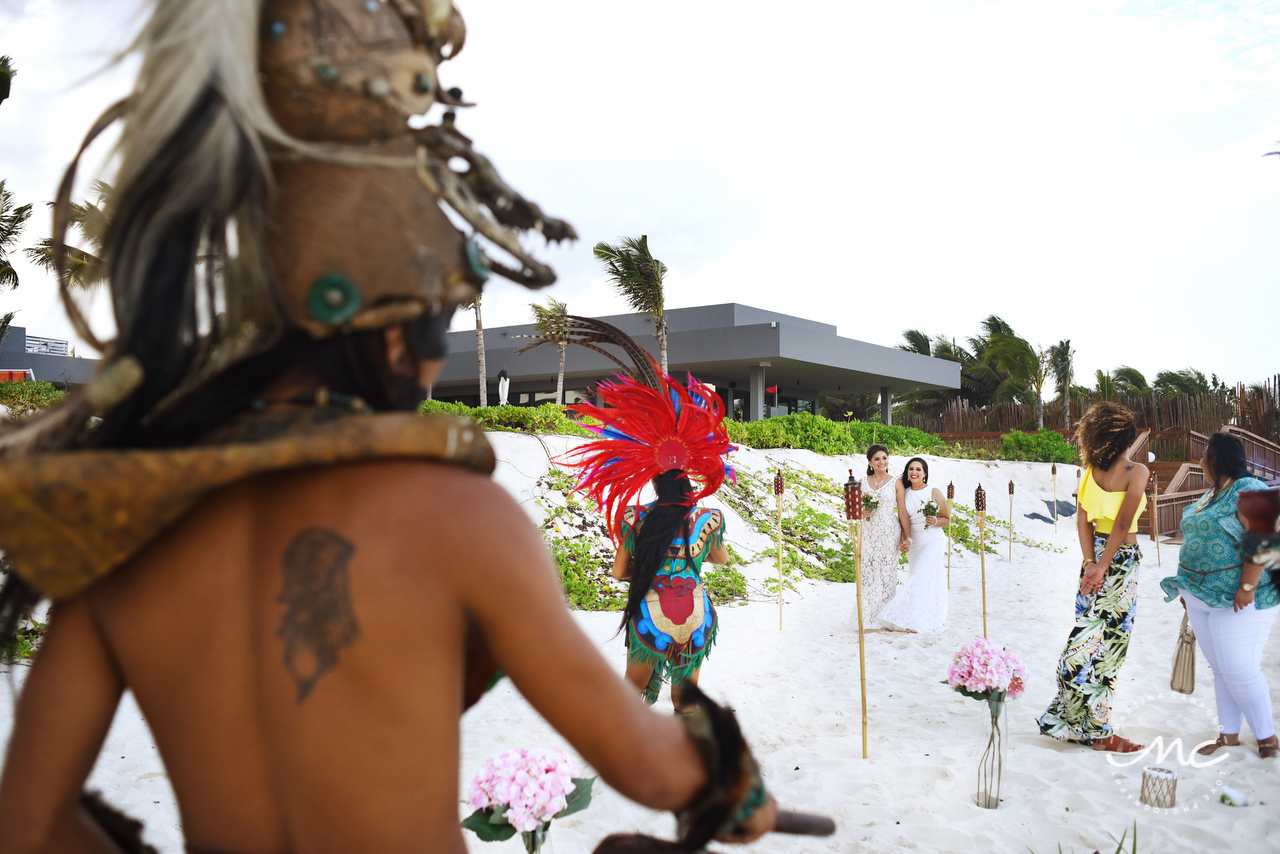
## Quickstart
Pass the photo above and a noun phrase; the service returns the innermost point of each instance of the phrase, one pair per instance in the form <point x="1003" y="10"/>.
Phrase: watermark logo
<point x="1190" y="758"/>
<point x="1160" y="750"/>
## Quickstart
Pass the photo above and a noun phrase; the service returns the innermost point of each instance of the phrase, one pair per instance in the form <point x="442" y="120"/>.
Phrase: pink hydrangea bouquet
<point x="985" y="671"/>
<point x="523" y="790"/>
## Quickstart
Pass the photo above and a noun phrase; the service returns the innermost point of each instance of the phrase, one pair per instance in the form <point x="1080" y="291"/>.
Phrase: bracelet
<point x="754" y="801"/>
<point x="735" y="789"/>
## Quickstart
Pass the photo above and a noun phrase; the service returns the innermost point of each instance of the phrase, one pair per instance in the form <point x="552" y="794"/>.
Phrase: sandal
<point x="1218" y="744"/>
<point x="1269" y="748"/>
<point x="1116" y="744"/>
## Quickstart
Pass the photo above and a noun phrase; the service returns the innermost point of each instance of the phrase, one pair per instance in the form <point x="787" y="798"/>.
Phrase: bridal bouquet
<point x="985" y="671"/>
<point x="523" y="790"/>
<point x="870" y="501"/>
<point x="930" y="508"/>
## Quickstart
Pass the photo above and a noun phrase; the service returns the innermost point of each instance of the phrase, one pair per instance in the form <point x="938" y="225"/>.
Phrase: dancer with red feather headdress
<point x="656" y="432"/>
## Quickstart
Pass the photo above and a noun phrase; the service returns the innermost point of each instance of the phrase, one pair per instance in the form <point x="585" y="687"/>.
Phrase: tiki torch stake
<point x="1155" y="513"/>
<point x="1055" y="498"/>
<point x="951" y="497"/>
<point x="1011" y="521"/>
<point x="980" y="507"/>
<point x="854" y="513"/>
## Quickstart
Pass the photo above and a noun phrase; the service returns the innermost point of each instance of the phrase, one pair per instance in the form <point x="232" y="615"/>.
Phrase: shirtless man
<point x="299" y="630"/>
<point x="269" y="750"/>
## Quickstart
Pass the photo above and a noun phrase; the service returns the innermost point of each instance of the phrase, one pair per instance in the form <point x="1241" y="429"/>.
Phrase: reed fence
<point x="1255" y="409"/>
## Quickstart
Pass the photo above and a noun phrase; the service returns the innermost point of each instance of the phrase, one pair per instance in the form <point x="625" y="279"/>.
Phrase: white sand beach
<point x="796" y="691"/>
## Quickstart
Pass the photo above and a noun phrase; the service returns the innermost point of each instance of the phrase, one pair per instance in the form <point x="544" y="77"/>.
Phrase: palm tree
<point x="5" y="320"/>
<point x="1027" y="369"/>
<point x="7" y="73"/>
<point x="1062" y="366"/>
<point x="1185" y="381"/>
<point x="12" y="221"/>
<point x="1130" y="381"/>
<point x="1106" y="389"/>
<point x="985" y="376"/>
<point x="552" y="322"/>
<point x="84" y="268"/>
<point x="972" y="383"/>
<point x="637" y="276"/>
<point x="473" y="304"/>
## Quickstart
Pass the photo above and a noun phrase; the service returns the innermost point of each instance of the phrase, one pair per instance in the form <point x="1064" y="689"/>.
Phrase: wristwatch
<point x="1247" y="587"/>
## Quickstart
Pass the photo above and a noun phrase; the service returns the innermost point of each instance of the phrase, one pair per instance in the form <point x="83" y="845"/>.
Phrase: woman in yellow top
<point x="1112" y="498"/>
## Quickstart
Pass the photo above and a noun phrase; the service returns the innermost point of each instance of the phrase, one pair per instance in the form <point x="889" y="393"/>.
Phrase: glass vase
<point x="535" y="839"/>
<point x="995" y="722"/>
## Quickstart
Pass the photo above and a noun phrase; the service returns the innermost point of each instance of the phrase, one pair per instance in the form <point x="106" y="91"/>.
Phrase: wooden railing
<point x="1189" y="478"/>
<point x="1185" y="445"/>
<point x="1169" y="507"/>
<point x="1263" y="456"/>
<point x="1138" y="450"/>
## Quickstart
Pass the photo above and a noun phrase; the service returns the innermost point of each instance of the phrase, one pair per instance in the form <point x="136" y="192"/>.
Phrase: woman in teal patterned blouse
<point x="1230" y="613"/>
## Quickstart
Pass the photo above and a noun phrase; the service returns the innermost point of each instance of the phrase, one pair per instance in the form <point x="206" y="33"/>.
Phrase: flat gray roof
<point x="718" y="344"/>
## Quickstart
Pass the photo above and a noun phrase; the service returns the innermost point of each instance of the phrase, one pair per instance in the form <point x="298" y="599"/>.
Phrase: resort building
<point x="31" y="357"/>
<point x="761" y="362"/>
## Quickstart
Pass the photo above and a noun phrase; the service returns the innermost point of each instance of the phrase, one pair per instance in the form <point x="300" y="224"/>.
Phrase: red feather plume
<point x="647" y="432"/>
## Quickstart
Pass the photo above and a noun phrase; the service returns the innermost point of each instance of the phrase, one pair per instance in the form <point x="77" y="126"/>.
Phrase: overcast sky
<point x="1090" y="170"/>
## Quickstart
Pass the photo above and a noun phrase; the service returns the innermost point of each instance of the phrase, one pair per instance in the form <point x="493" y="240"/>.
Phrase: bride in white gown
<point x="921" y="603"/>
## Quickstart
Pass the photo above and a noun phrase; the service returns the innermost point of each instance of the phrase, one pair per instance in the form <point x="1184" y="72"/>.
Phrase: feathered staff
<point x="649" y="424"/>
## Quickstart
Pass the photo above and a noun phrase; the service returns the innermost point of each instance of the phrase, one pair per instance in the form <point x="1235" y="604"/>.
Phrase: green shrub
<point x="24" y="644"/>
<point x="724" y="583"/>
<point x="547" y="418"/>
<point x="1046" y="446"/>
<point x="585" y="574"/>
<point x="831" y="438"/>
<point x="29" y="396"/>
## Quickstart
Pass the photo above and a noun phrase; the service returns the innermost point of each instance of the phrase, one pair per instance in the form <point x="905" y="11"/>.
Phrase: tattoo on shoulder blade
<point x="318" y="621"/>
<point x="1128" y="468"/>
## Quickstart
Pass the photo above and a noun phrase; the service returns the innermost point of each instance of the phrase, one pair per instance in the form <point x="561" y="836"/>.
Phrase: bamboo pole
<point x="951" y="497"/>
<point x="1155" y="514"/>
<point x="777" y="491"/>
<point x="1010" y="521"/>
<point x="1054" y="470"/>
<point x="980" y="507"/>
<point x="854" y="513"/>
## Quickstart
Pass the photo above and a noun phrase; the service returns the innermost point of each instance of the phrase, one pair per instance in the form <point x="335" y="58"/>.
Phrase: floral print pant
<point x="1095" y="650"/>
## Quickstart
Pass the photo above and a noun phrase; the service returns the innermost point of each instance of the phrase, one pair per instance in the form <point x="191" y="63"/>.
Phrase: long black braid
<point x="667" y="517"/>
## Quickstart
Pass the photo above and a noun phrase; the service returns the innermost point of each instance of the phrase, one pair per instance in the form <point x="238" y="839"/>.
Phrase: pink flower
<point x="984" y="667"/>
<point x="533" y="784"/>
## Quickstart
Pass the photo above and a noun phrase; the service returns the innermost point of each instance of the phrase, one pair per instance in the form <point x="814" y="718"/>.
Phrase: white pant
<point x="1232" y="643"/>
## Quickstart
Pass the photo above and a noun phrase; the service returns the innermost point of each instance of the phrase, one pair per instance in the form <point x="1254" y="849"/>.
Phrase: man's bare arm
<point x="510" y="586"/>
<point x="66" y="708"/>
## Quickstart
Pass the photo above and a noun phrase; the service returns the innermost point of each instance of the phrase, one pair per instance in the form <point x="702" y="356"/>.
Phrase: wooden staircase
<point x="1180" y="484"/>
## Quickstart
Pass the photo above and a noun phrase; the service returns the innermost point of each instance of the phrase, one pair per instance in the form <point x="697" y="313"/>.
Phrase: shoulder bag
<point x="1183" y="678"/>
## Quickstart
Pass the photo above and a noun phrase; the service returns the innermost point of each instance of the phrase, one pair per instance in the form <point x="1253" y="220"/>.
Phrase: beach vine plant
<point x="578" y="538"/>
<point x="815" y="539"/>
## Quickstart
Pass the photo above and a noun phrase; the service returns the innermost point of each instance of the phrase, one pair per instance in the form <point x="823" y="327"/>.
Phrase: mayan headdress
<point x="649" y="424"/>
<point x="269" y="180"/>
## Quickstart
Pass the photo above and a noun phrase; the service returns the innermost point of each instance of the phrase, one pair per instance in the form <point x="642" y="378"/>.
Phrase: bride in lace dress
<point x="881" y="541"/>
<point x="920" y="604"/>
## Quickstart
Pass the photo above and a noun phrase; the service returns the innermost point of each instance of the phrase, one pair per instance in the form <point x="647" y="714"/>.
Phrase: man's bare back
<point x="307" y="621"/>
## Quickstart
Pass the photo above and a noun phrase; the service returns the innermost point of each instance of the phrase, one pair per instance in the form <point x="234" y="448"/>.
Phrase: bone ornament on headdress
<point x="269" y="179"/>
<point x="650" y="424"/>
